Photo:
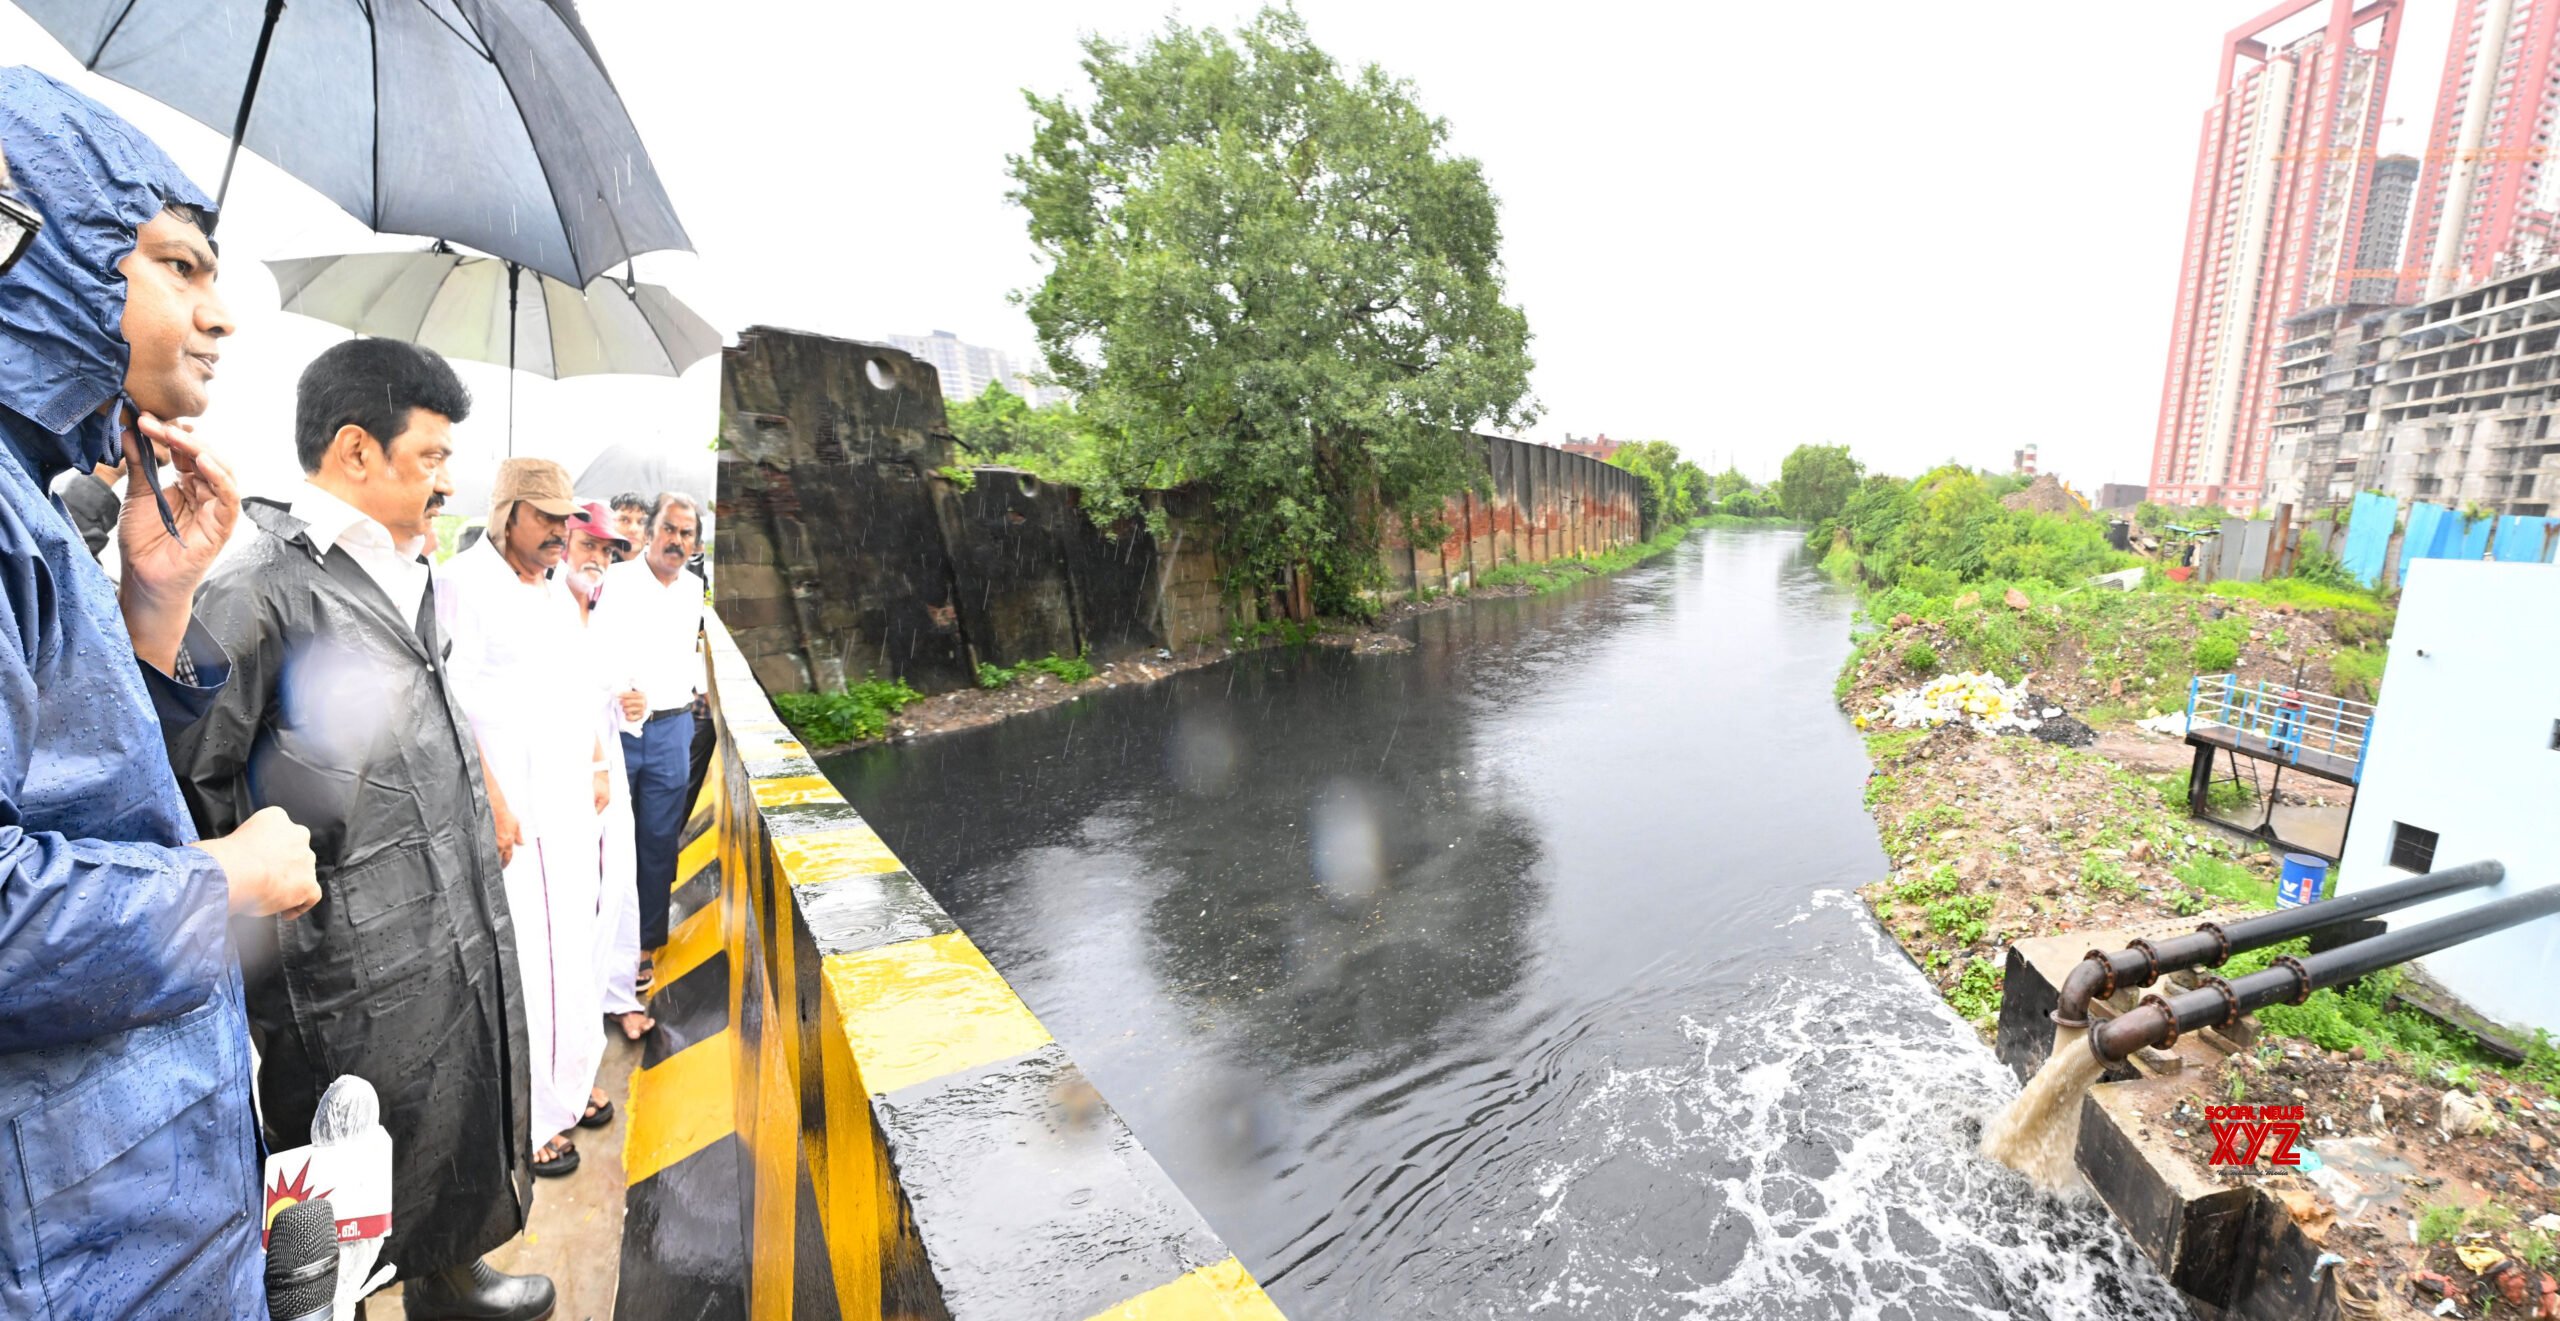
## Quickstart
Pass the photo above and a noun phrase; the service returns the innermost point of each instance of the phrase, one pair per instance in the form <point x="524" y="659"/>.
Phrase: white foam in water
<point x="1817" y="1158"/>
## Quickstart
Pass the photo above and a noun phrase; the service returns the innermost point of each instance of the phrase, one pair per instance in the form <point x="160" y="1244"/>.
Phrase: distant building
<point x="2463" y="764"/>
<point x="2386" y="224"/>
<point x="2273" y="227"/>
<point x="2488" y="197"/>
<point x="2120" y="495"/>
<point x="2455" y="401"/>
<point x="968" y="369"/>
<point x="2022" y="463"/>
<point x="2325" y="374"/>
<point x="1598" y="447"/>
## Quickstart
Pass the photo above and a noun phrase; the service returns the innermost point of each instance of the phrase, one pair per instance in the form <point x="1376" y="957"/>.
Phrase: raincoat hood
<point x="96" y="180"/>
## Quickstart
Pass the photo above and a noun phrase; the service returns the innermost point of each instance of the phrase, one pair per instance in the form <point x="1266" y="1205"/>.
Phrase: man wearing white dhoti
<point x="596" y="543"/>
<point x="519" y="666"/>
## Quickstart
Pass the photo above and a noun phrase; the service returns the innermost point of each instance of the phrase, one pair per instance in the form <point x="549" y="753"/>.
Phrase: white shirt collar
<point x="335" y="522"/>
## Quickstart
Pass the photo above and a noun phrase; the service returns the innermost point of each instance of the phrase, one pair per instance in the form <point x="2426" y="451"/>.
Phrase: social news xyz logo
<point x="2241" y="1132"/>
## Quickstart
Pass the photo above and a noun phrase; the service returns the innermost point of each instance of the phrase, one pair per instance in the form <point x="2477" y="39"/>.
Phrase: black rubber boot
<point x="477" y="1293"/>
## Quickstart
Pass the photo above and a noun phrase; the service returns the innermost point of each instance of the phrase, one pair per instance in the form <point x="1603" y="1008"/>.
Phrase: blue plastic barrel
<point x="2300" y="883"/>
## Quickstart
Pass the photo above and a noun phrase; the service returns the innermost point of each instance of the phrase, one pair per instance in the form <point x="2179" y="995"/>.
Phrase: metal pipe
<point x="2143" y="962"/>
<point x="2159" y="1022"/>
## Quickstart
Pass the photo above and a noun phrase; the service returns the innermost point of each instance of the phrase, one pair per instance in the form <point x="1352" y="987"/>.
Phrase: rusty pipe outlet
<point x="2143" y="962"/>
<point x="2159" y="1021"/>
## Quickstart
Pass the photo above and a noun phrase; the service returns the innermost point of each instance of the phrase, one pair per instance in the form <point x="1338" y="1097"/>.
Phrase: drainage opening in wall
<point x="877" y="372"/>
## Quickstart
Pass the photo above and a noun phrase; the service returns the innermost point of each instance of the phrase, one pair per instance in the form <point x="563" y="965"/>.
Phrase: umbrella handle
<point x="248" y="98"/>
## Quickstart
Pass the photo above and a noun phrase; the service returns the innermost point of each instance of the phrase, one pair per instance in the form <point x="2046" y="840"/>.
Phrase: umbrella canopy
<point x="650" y="469"/>
<point x="487" y="122"/>
<point x="464" y="307"/>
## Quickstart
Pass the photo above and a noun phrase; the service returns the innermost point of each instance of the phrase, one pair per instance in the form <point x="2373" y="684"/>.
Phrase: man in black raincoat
<point x="405" y="974"/>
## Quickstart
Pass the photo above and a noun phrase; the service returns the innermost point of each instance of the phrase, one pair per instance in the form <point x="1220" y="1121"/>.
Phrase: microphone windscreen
<point x="302" y="1261"/>
<point x="349" y="1107"/>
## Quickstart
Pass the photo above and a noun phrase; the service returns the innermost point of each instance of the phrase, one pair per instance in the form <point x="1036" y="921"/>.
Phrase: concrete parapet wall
<point x="846" y="550"/>
<point x="847" y="1112"/>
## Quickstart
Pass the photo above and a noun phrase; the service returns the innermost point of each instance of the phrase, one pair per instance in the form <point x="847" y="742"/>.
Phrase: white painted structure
<point x="2463" y="745"/>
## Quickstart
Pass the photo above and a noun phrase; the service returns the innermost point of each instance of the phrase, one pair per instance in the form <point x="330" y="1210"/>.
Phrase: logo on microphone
<point x="285" y="1192"/>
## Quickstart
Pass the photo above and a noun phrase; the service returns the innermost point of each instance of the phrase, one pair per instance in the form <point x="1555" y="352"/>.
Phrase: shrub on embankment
<point x="1953" y="575"/>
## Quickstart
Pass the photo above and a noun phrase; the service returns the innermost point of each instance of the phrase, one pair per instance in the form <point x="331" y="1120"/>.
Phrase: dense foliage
<point x="1268" y="274"/>
<point x="1948" y="528"/>
<point x="855" y="714"/>
<point x="1674" y="491"/>
<point x="1001" y="428"/>
<point x="1815" y="481"/>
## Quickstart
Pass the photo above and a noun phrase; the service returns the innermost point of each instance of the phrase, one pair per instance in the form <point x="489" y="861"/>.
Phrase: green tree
<point x="1268" y="274"/>
<point x="1674" y="489"/>
<point x="1815" y="481"/>
<point x="1000" y="427"/>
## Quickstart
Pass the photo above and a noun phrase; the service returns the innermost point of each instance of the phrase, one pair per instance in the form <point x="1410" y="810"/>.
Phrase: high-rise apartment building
<point x="2386" y="227"/>
<point x="968" y="369"/>
<point x="2488" y="202"/>
<point x="2273" y="227"/>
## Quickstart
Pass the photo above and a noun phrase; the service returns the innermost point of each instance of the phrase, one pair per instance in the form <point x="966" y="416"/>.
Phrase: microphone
<point x="349" y="1118"/>
<point x="302" y="1262"/>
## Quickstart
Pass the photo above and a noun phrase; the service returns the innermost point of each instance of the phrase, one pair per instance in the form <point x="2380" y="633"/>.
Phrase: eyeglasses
<point x="18" y="225"/>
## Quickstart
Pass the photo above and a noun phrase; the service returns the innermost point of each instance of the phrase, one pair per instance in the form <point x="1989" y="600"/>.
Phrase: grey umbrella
<point x="488" y="311"/>
<point x="487" y="122"/>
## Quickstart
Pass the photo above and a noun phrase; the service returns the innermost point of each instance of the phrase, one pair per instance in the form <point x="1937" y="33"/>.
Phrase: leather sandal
<point x="563" y="1163"/>
<point x="599" y="1114"/>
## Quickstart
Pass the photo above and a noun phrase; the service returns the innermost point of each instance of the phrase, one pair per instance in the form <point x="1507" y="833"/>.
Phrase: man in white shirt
<point x="596" y="543"/>
<point x="521" y="668"/>
<point x="650" y="614"/>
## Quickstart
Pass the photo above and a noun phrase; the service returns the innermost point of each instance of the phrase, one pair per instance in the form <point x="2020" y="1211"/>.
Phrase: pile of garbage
<point x="1987" y="702"/>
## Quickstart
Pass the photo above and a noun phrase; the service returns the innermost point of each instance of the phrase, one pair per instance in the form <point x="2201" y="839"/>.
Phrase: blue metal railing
<point x="2288" y="721"/>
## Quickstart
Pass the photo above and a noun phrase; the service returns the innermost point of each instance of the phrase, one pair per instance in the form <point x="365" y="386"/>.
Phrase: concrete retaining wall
<point x="846" y="551"/>
<point x="847" y="1112"/>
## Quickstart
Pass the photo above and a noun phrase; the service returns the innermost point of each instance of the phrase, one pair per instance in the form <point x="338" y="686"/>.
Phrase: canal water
<point x="1517" y="975"/>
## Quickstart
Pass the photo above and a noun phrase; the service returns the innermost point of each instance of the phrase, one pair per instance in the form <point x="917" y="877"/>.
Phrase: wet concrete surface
<point x="575" y="1236"/>
<point x="1514" y="975"/>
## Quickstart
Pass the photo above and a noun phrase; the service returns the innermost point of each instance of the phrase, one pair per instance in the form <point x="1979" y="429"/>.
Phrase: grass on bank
<point x="2148" y="642"/>
<point x="1552" y="574"/>
<point x="1064" y="669"/>
<point x="856" y="714"/>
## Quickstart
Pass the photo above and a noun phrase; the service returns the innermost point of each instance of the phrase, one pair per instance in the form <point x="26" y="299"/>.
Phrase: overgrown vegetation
<point x="1548" y="575"/>
<point x="1934" y="535"/>
<point x="1065" y="669"/>
<point x="1323" y="362"/>
<point x="857" y="714"/>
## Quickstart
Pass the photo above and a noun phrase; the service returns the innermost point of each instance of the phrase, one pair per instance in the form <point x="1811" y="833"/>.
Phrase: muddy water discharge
<point x="2036" y="1133"/>
<point x="1513" y="976"/>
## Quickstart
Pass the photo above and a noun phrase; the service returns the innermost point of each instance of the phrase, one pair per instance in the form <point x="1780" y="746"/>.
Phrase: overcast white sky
<point x="1929" y="231"/>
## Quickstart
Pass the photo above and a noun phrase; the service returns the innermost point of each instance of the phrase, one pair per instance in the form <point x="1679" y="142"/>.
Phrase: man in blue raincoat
<point x="130" y="1184"/>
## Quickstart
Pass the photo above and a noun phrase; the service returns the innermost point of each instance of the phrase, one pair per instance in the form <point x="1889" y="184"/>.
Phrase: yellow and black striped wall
<point x="846" y="1112"/>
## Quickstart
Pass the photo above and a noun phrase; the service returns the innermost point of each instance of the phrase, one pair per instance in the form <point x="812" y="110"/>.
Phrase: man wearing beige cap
<point x="339" y="710"/>
<point x="520" y="665"/>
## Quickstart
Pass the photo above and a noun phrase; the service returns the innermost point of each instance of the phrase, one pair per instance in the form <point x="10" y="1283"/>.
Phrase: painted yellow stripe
<point x="697" y="855"/>
<point x="827" y="854"/>
<point x="691" y="944"/>
<point x="1224" y="1292"/>
<point x="681" y="1106"/>
<point x="920" y="1009"/>
<point x="794" y="790"/>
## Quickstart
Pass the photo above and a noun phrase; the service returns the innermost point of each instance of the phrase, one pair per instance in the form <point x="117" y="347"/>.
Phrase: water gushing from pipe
<point x="2038" y="1132"/>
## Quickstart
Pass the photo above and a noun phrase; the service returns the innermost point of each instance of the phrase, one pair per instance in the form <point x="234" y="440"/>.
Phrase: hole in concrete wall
<point x="879" y="374"/>
<point x="2412" y="848"/>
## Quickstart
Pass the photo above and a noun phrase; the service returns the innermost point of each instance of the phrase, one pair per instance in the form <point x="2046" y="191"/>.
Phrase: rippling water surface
<point x="1514" y="976"/>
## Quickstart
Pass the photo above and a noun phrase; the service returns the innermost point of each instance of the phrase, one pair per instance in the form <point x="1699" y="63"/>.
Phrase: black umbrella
<point x="487" y="122"/>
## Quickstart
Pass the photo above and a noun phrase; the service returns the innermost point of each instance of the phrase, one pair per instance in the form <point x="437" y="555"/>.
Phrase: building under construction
<point x="2451" y="401"/>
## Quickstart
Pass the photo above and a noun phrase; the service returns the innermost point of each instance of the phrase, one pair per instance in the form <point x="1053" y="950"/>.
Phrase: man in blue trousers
<point x="131" y="1185"/>
<point x="649" y="614"/>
